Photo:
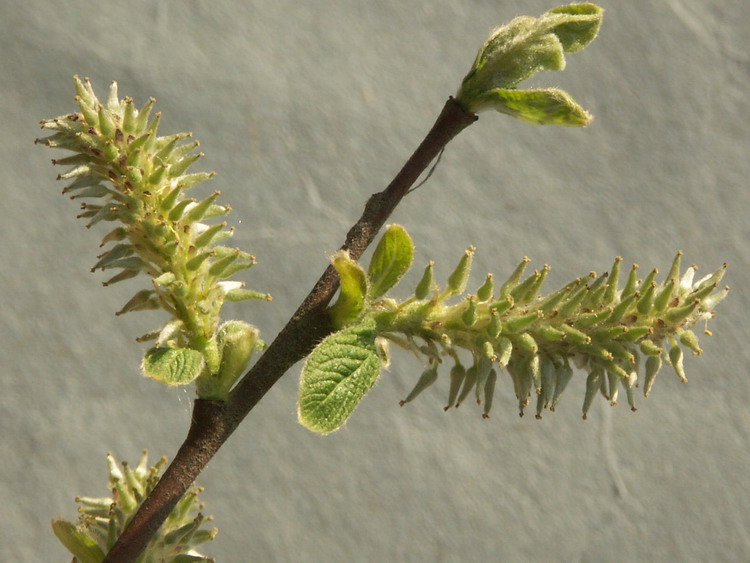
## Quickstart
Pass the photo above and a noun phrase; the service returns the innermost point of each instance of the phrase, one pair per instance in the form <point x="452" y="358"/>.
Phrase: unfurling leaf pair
<point x="619" y="335"/>
<point x="346" y="365"/>
<point x="391" y="260"/>
<point x="140" y="180"/>
<point x="519" y="50"/>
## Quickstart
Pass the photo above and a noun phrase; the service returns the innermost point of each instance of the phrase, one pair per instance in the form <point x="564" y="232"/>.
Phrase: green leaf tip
<point x="520" y="49"/>
<point x="540" y="107"/>
<point x="390" y="261"/>
<point x="337" y="375"/>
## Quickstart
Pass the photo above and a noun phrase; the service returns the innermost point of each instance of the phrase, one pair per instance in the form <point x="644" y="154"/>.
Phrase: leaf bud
<point x="563" y="376"/>
<point x="502" y="305"/>
<point x="571" y="305"/>
<point x="690" y="340"/>
<point x="662" y="298"/>
<point x="536" y="285"/>
<point x="548" y="372"/>
<point x="460" y="276"/>
<point x="551" y="301"/>
<point x="504" y="349"/>
<point x="701" y="293"/>
<point x="520" y="292"/>
<point x="613" y="381"/>
<point x="237" y="340"/>
<point x="457" y="376"/>
<point x="176" y="212"/>
<point x="207" y="237"/>
<point x="495" y="326"/>
<point x="630" y="284"/>
<point x="484" y="293"/>
<point x="630" y="383"/>
<point x="574" y="336"/>
<point x="218" y="267"/>
<point x="649" y="347"/>
<point x="593" y="384"/>
<point x="489" y="393"/>
<point x="535" y="372"/>
<point x="679" y="314"/>
<point x="526" y="343"/>
<point x="587" y="320"/>
<point x="178" y="168"/>
<point x="646" y="300"/>
<point x="143" y="300"/>
<point x="650" y="279"/>
<point x="653" y="365"/>
<point x="676" y="359"/>
<point x="710" y="302"/>
<point x="106" y="123"/>
<point x="522" y="322"/>
<point x="514" y="278"/>
<point x="241" y="294"/>
<point x="621" y="308"/>
<point x="488" y="351"/>
<point x="165" y="280"/>
<point x="197" y="211"/>
<point x="469" y="316"/>
<point x="712" y="279"/>
<point x="428" y="377"/>
<point x="195" y="262"/>
<point x="484" y="366"/>
<point x="674" y="271"/>
<point x="468" y="384"/>
<point x="613" y="281"/>
<point x="549" y="333"/>
<point x="635" y="333"/>
<point x="424" y="287"/>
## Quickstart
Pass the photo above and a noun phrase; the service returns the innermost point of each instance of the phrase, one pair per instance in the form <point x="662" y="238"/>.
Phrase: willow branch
<point x="214" y="421"/>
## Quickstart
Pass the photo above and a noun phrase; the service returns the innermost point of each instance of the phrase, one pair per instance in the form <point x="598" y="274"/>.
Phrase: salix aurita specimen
<point x="139" y="180"/>
<point x="102" y="519"/>
<point x="620" y="334"/>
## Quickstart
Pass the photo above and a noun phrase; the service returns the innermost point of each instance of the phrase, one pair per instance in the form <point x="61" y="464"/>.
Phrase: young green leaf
<point x="520" y="49"/>
<point x="353" y="290"/>
<point x="237" y="340"/>
<point x="579" y="25"/>
<point x="173" y="366"/>
<point x="542" y="107"/>
<point x="336" y="375"/>
<point x="391" y="260"/>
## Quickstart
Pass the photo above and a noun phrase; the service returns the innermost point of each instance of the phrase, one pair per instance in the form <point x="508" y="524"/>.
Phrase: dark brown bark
<point x="214" y="421"/>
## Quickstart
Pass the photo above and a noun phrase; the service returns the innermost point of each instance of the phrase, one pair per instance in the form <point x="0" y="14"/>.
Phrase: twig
<point x="214" y="421"/>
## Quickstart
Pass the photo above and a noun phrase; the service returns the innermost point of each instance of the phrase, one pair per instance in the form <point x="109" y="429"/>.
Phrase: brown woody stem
<point x="214" y="421"/>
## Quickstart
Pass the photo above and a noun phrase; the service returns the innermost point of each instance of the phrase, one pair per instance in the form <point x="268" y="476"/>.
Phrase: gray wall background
<point x="304" y="109"/>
